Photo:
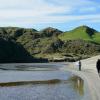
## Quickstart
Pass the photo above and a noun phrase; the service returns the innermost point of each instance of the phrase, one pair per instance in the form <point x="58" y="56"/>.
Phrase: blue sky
<point x="39" y="14"/>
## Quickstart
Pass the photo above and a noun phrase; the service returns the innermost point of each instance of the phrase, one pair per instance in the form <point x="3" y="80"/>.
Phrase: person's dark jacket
<point x="98" y="65"/>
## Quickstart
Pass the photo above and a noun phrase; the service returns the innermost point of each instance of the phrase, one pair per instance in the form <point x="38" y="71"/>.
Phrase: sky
<point x="62" y="14"/>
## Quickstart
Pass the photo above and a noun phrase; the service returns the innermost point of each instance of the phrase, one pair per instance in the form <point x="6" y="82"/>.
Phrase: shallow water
<point x="39" y="82"/>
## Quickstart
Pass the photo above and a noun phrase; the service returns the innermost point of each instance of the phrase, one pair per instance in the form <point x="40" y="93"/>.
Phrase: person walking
<point x="98" y="66"/>
<point x="80" y="64"/>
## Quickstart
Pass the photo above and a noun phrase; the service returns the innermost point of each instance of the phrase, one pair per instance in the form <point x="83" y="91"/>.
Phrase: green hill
<point x="83" y="32"/>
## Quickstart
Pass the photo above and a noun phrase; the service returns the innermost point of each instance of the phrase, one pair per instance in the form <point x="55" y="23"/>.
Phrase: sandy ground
<point x="90" y="76"/>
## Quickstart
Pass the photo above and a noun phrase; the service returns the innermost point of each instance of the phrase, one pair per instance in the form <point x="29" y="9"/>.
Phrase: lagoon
<point x="39" y="82"/>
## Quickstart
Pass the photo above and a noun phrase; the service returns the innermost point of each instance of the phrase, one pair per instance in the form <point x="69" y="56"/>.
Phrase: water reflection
<point x="78" y="84"/>
<point x="55" y="89"/>
<point x="9" y="84"/>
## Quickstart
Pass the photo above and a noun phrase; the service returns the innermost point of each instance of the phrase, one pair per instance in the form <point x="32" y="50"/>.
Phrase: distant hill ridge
<point x="31" y="45"/>
<point x="82" y="32"/>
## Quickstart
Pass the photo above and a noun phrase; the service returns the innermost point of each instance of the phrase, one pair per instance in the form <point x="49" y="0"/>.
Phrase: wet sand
<point x="90" y="76"/>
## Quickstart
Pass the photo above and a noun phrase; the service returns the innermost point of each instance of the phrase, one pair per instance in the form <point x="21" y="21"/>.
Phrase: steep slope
<point x="13" y="52"/>
<point x="96" y="37"/>
<point x="82" y="32"/>
<point x="45" y="41"/>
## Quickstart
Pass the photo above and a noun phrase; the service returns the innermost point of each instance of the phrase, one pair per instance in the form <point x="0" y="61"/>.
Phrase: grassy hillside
<point x="83" y="32"/>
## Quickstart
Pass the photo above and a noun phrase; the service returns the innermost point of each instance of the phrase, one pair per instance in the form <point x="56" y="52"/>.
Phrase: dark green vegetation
<point x="30" y="45"/>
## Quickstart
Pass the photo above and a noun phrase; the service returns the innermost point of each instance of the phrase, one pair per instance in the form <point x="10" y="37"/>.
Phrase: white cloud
<point x="20" y="12"/>
<point x="29" y="12"/>
<point x="53" y="19"/>
<point x="29" y="8"/>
